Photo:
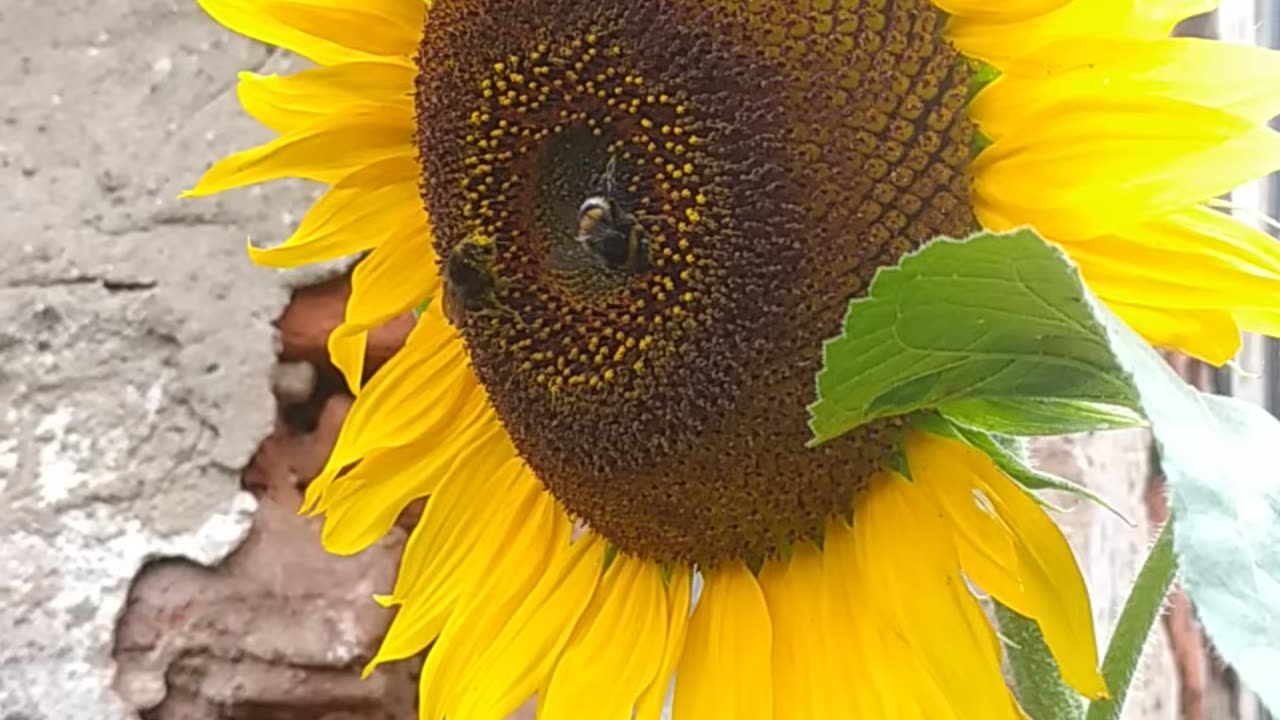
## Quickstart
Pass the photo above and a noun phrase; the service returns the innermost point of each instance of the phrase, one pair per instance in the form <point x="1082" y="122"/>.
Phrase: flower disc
<point x="773" y="154"/>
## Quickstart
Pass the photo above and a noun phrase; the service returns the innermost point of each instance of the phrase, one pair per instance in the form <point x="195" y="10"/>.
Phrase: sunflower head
<point x="683" y="197"/>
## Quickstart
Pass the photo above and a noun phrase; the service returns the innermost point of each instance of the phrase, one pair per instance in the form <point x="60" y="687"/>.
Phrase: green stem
<point x="1134" y="627"/>
<point x="1039" y="686"/>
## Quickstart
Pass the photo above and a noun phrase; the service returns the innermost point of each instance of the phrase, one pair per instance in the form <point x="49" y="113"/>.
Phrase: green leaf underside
<point x="1141" y="609"/>
<point x="999" y="318"/>
<point x="1030" y="417"/>
<point x="1218" y="455"/>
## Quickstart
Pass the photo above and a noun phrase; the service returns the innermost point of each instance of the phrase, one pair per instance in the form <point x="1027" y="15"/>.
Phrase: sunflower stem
<point x="1134" y="627"/>
<point x="1039" y="686"/>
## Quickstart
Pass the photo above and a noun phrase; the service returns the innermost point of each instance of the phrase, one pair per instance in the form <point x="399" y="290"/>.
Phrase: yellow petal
<point x="726" y="667"/>
<point x="455" y="517"/>
<point x="455" y="514"/>
<point x="896" y="682"/>
<point x="362" y="505"/>
<point x="1051" y="574"/>
<point x="1120" y="269"/>
<point x="1219" y="240"/>
<point x="595" y="670"/>
<point x="998" y="43"/>
<point x="1052" y="588"/>
<point x="922" y="598"/>
<point x="1238" y="79"/>
<point x="283" y="103"/>
<point x="325" y="151"/>
<point x="520" y="659"/>
<point x="984" y="544"/>
<point x="807" y="682"/>
<point x="1173" y="12"/>
<point x="376" y="27"/>
<point x="458" y="537"/>
<point x="1189" y="280"/>
<point x="851" y="630"/>
<point x="999" y="12"/>
<point x="1193" y="293"/>
<point x="248" y="18"/>
<point x="679" y="590"/>
<point x="463" y="415"/>
<point x="1203" y="231"/>
<point x="1101" y="165"/>
<point x="363" y="210"/>
<point x="527" y="548"/>
<point x="417" y="394"/>
<point x="1264" y="322"/>
<point x="395" y="278"/>
<point x="1210" y="335"/>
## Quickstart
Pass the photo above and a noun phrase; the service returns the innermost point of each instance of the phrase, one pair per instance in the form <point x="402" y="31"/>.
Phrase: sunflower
<point x="628" y="227"/>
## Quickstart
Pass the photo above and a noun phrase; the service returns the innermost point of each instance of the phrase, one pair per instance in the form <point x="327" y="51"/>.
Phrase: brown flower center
<point x="677" y="198"/>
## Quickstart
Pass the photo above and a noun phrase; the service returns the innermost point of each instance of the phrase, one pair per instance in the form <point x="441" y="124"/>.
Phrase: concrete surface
<point x="136" y="343"/>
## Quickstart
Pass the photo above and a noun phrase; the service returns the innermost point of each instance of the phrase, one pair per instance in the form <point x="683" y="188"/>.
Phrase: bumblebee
<point x="611" y="233"/>
<point x="470" y="285"/>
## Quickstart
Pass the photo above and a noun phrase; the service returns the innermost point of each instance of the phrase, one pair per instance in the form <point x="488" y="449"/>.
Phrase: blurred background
<point x="163" y="403"/>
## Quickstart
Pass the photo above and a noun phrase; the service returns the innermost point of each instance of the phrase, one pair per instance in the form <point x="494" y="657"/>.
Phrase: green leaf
<point x="1015" y="466"/>
<point x="1037" y="682"/>
<point x="991" y="317"/>
<point x="1011" y="416"/>
<point x="421" y="308"/>
<point x="1141" y="609"/>
<point x="1010" y="458"/>
<point x="1004" y="319"/>
<point x="1218" y="455"/>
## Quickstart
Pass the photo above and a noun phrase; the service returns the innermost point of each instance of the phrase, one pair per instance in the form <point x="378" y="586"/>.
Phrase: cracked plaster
<point x="136" y="340"/>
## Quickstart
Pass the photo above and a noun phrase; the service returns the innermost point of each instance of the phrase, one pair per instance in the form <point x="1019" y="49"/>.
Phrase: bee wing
<point x="452" y="307"/>
<point x="609" y="169"/>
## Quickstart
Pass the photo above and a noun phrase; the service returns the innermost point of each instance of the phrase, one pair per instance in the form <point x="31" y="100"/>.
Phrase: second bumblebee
<point x="609" y="232"/>
<point x="470" y="283"/>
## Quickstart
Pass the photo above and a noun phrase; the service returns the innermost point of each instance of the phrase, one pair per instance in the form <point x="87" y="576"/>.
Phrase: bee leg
<point x="493" y="307"/>
<point x="507" y="311"/>
<point x="637" y="250"/>
<point x="502" y="312"/>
